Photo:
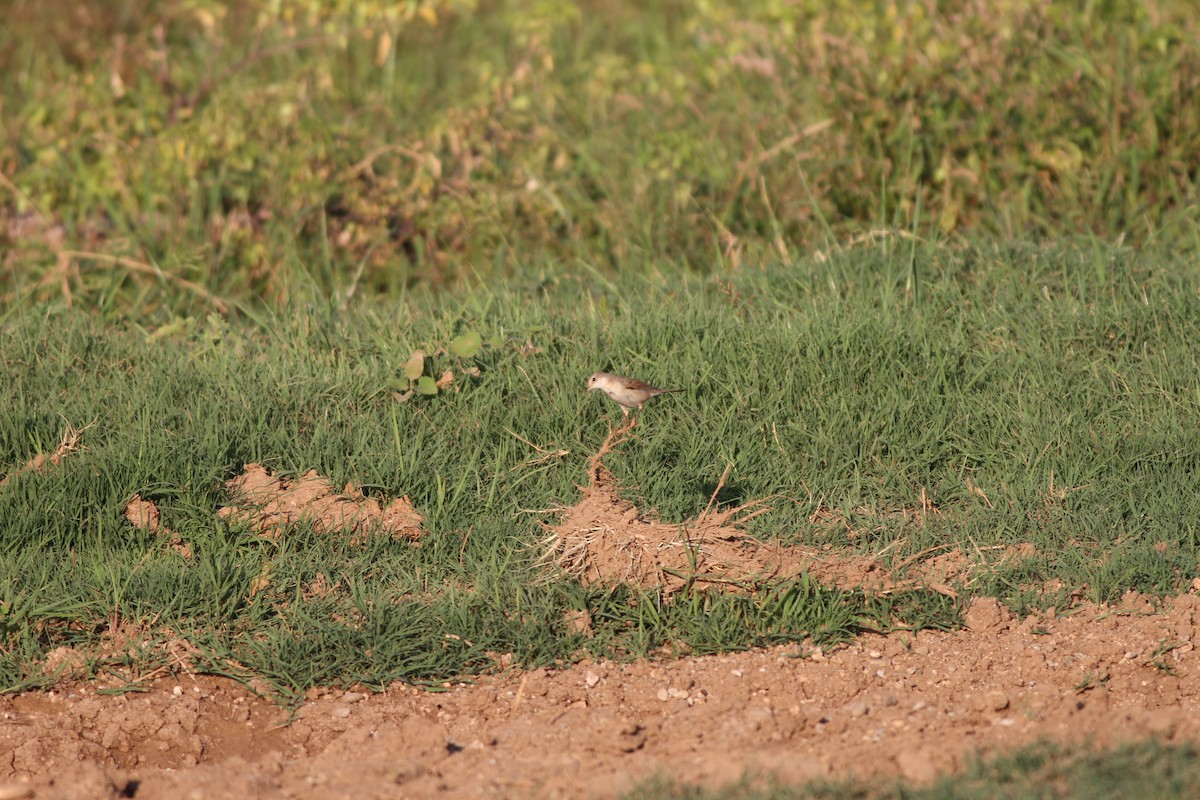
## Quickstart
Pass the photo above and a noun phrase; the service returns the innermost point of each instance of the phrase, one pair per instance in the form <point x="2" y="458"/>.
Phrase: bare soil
<point x="911" y="705"/>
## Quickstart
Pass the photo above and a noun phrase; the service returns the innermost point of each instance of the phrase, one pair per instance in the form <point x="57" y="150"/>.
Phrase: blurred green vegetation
<point x="262" y="151"/>
<point x="1042" y="771"/>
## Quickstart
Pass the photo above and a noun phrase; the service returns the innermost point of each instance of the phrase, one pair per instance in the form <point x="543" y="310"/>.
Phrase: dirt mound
<point x="605" y="539"/>
<point x="268" y="504"/>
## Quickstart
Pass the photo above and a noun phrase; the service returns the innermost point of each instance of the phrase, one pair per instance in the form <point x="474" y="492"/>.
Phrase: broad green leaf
<point x="415" y="365"/>
<point x="467" y="345"/>
<point x="426" y="385"/>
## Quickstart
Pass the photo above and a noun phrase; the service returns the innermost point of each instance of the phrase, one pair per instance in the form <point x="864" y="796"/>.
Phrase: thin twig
<point x="463" y="549"/>
<point x="712" y="499"/>
<point x="898" y="567"/>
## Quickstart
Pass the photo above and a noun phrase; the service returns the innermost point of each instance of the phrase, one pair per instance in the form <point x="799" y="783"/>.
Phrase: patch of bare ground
<point x="269" y="504"/>
<point x="605" y="539"/>
<point x="902" y="705"/>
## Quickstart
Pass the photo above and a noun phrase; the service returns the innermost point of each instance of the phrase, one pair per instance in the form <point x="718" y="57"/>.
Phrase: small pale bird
<point x="626" y="392"/>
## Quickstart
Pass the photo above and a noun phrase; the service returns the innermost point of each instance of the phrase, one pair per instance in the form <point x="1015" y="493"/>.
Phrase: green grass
<point x="1150" y="770"/>
<point x="1061" y="382"/>
<point x="937" y="262"/>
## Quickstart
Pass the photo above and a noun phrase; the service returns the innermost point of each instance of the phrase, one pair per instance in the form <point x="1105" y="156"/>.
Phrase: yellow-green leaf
<point x="467" y="345"/>
<point x="415" y="365"/>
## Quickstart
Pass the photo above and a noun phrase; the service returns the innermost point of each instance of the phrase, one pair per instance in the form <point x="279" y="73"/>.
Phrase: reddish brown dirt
<point x="604" y="539"/>
<point x="270" y="504"/>
<point x="899" y="705"/>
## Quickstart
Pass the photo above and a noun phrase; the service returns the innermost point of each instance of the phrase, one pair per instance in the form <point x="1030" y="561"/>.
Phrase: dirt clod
<point x="269" y="504"/>
<point x="144" y="515"/>
<point x="605" y="539"/>
<point x="986" y="613"/>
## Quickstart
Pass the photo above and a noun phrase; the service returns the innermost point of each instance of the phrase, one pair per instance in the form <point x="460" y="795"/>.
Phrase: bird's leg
<point x="627" y="423"/>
